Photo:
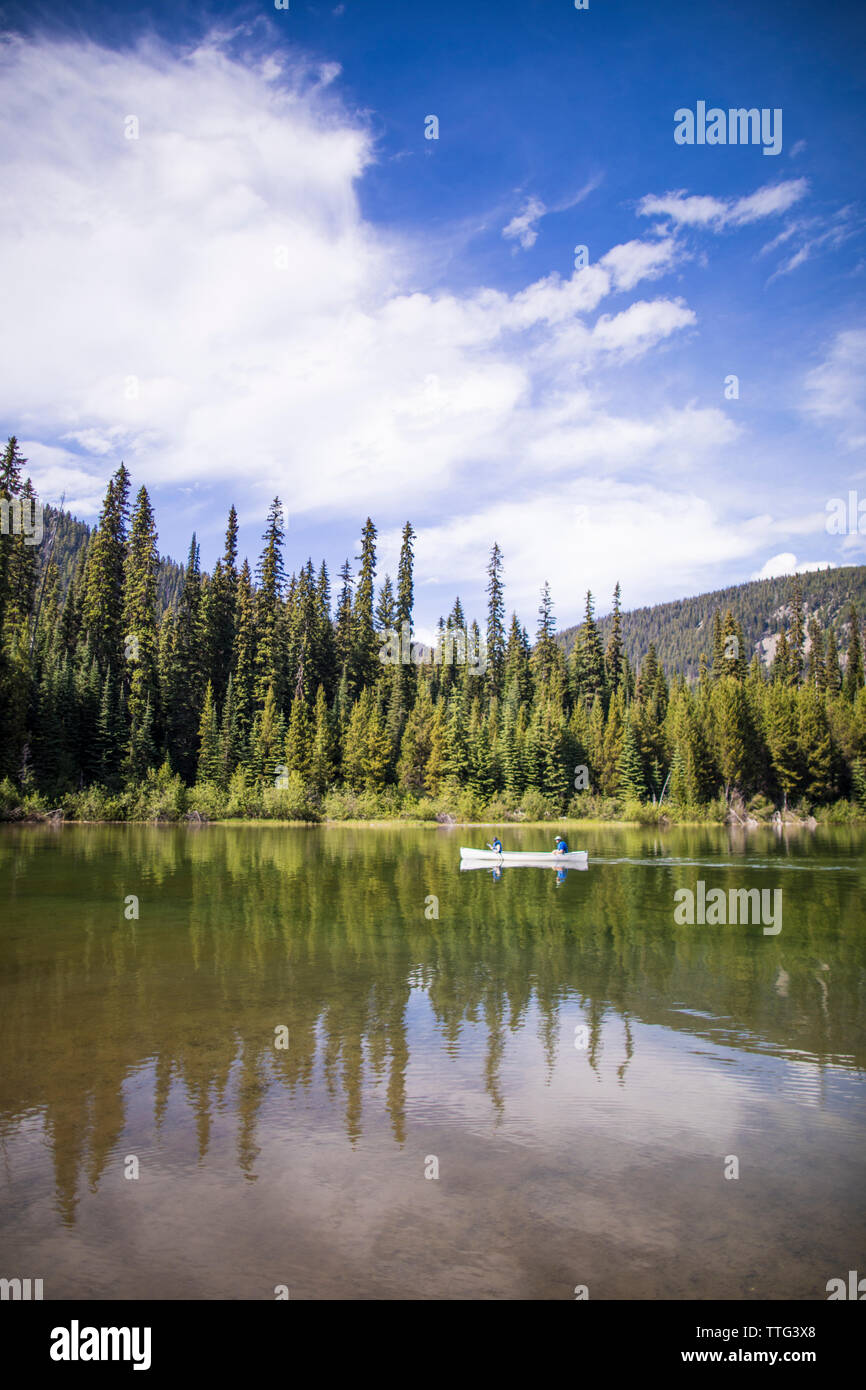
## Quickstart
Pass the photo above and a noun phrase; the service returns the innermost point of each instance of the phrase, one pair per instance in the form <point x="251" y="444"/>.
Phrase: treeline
<point x="261" y="693"/>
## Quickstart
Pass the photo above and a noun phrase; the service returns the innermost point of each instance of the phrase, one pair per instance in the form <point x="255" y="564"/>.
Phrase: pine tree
<point x="324" y="649"/>
<point x="733" y="734"/>
<point x="405" y="579"/>
<point x="187" y="677"/>
<point x="733" y="658"/>
<point x="513" y="748"/>
<point x="141" y="750"/>
<point x="11" y="545"/>
<point x="106" y="559"/>
<point x="298" y="740"/>
<point x="495" y="623"/>
<point x="141" y="632"/>
<point x="614" y="733"/>
<point x="416" y="743"/>
<point x="613" y="655"/>
<point x="679" y="790"/>
<point x="587" y="668"/>
<point x="816" y="674"/>
<point x="554" y="778"/>
<point x="481" y="775"/>
<point x="395" y="718"/>
<point x="832" y="668"/>
<point x="647" y="676"/>
<point x="110" y="730"/>
<point x="518" y="683"/>
<point x="270" y="573"/>
<point x="385" y="608"/>
<point x="245" y="654"/>
<point x="23" y="570"/>
<point x="533" y="749"/>
<point x="456" y="750"/>
<point x="816" y="748"/>
<point x="782" y="738"/>
<point x="267" y="741"/>
<point x="434" y="771"/>
<point x="365" y="661"/>
<point x="854" y="661"/>
<point x="231" y="747"/>
<point x="797" y="637"/>
<point x="375" y="748"/>
<point x="344" y="634"/>
<point x="543" y="659"/>
<point x="322" y="765"/>
<point x="208" y="740"/>
<point x="220" y="613"/>
<point x="782" y="669"/>
<point x="631" y="778"/>
<point x="11" y="464"/>
<point x="717" y="668"/>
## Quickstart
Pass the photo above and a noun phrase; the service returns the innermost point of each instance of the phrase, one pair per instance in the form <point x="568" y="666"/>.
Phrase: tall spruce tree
<point x="543" y="659"/>
<point x="270" y="573"/>
<point x="104" y="578"/>
<point x="187" y="674"/>
<point x="141" y="635"/>
<point x="495" y="622"/>
<point x="365" y="647"/>
<point x="614" y="654"/>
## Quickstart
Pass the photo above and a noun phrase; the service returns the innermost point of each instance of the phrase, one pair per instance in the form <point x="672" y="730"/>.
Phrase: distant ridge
<point x="682" y="628"/>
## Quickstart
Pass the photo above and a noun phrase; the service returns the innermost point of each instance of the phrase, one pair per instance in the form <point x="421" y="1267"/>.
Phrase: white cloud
<point x="787" y="563"/>
<point x="220" y="266"/>
<point x="207" y="302"/>
<point x="524" y="226"/>
<point x="63" y="474"/>
<point x="836" y="389"/>
<point x="566" y="537"/>
<point x="814" y="235"/>
<point x="637" y="260"/>
<point x="719" y="213"/>
<point x="642" y="324"/>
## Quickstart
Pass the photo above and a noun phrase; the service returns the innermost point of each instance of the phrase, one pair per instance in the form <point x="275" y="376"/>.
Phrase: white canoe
<point x="517" y="856"/>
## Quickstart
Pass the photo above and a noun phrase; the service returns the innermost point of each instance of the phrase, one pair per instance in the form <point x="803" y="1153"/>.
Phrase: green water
<point x="416" y="1041"/>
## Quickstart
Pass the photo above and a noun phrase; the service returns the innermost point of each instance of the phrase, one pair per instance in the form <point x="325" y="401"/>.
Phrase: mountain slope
<point x="682" y="630"/>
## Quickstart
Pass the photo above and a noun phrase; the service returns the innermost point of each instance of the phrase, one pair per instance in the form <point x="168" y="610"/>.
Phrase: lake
<point x="327" y="1089"/>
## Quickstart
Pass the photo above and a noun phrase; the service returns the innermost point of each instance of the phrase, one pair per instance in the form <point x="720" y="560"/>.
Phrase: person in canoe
<point x="496" y="846"/>
<point x="561" y="846"/>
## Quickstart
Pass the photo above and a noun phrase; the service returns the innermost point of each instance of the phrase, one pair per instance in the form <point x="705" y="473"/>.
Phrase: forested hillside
<point x="680" y="631"/>
<point x="66" y="538"/>
<point x="258" y="693"/>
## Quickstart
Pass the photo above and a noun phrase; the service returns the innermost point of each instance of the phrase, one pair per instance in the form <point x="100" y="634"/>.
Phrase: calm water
<point x="413" y="1038"/>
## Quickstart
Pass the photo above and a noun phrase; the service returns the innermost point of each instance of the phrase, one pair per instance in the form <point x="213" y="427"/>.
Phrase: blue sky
<point x="279" y="285"/>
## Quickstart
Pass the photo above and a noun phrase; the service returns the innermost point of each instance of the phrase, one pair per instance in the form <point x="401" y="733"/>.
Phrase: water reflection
<point x="324" y="932"/>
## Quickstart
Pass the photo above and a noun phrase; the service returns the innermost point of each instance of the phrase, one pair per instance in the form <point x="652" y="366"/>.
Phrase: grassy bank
<point x="163" y="797"/>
